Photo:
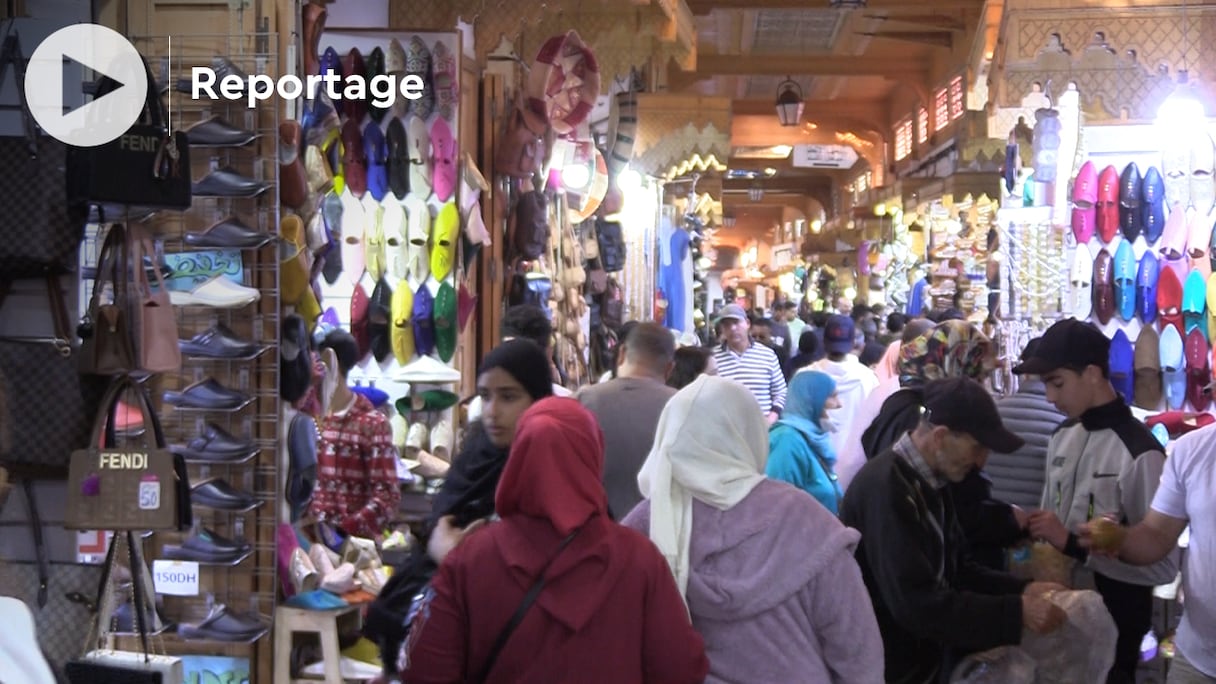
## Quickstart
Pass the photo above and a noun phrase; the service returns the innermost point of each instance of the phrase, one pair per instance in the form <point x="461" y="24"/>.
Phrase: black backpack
<point x="611" y="239"/>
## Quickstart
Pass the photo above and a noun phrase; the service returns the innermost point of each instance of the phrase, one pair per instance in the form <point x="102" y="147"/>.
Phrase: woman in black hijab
<point x="513" y="376"/>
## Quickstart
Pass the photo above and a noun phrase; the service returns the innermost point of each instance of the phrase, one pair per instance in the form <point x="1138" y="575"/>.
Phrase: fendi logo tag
<point x="139" y="143"/>
<point x="113" y="460"/>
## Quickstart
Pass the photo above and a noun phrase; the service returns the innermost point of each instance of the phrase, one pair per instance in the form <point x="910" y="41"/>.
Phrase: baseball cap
<point x="963" y="405"/>
<point x="730" y="311"/>
<point x="1067" y="344"/>
<point x="838" y="334"/>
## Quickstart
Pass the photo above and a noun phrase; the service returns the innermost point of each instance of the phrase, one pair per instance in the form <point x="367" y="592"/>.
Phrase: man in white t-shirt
<point x="1187" y="494"/>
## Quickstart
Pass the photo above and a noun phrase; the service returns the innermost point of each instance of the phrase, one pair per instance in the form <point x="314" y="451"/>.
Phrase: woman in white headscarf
<point x="767" y="572"/>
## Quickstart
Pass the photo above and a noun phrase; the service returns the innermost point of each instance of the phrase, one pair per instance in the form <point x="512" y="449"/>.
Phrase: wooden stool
<point x="324" y="623"/>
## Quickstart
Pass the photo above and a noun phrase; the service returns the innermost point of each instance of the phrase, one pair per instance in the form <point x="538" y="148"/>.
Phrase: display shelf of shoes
<point x="222" y="410"/>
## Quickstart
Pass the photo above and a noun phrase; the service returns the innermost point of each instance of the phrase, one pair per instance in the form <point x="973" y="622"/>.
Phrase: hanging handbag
<point x="148" y="166"/>
<point x="103" y="664"/>
<point x="107" y="342"/>
<point x="157" y="322"/>
<point x="132" y="487"/>
<point x="49" y="405"/>
<point x="41" y="230"/>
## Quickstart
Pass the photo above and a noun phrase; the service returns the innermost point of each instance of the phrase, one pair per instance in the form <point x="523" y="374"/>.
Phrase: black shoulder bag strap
<point x="521" y="611"/>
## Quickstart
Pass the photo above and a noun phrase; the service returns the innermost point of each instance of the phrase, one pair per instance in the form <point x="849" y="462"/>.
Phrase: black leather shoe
<point x="221" y="495"/>
<point x="218" y="342"/>
<point x="224" y="625"/>
<point x="1129" y="201"/>
<point x="215" y="445"/>
<point x="228" y="183"/>
<point x="295" y="361"/>
<point x="231" y="233"/>
<point x="378" y="329"/>
<point x="215" y="132"/>
<point x="207" y="394"/>
<point x="222" y="66"/>
<point x="375" y="67"/>
<point x="398" y="159"/>
<point x="206" y="547"/>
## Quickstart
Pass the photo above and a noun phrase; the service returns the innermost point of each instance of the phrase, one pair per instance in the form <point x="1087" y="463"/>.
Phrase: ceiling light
<point x="628" y="179"/>
<point x="816" y="226"/>
<point x="1181" y="113"/>
<point x="789" y="102"/>
<point x="770" y="171"/>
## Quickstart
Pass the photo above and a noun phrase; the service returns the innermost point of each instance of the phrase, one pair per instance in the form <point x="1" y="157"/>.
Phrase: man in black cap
<point x="1101" y="461"/>
<point x="933" y="603"/>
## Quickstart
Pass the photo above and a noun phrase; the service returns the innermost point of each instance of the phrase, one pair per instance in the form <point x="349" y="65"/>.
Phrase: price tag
<point x="149" y="493"/>
<point x="91" y="546"/>
<point x="175" y="578"/>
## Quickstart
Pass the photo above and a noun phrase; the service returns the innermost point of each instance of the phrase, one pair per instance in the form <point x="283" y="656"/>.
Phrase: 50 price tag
<point x="175" y="578"/>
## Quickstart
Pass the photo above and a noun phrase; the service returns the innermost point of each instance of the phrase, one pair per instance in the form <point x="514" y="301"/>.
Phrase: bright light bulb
<point x="1181" y="113"/>
<point x="880" y="209"/>
<point x="816" y="226"/>
<point x="576" y="176"/>
<point x="628" y="179"/>
<point x="850" y="293"/>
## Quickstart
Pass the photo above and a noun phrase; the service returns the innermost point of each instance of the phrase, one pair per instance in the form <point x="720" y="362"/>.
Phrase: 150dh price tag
<point x="175" y="578"/>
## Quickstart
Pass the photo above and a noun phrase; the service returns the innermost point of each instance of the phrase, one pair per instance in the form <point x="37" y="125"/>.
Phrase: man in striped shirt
<point x="749" y="363"/>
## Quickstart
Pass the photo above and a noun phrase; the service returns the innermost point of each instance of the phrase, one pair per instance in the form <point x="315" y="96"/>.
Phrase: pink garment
<point x="852" y="456"/>
<point x="775" y="591"/>
<point x="888" y="365"/>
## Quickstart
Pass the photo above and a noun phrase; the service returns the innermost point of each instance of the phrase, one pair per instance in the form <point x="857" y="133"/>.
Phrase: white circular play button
<point x="107" y="53"/>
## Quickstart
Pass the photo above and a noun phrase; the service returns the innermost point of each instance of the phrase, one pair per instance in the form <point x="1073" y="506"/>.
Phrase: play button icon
<point x="107" y="53"/>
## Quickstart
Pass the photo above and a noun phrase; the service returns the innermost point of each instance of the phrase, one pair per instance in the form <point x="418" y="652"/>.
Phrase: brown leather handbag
<point x="107" y="344"/>
<point x="132" y="486"/>
<point x="157" y="323"/>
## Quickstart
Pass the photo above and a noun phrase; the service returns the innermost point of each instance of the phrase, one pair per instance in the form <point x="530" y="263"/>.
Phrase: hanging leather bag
<point x="157" y="323"/>
<point x="49" y="405"/>
<point x="41" y="230"/>
<point x="107" y="340"/>
<point x="140" y="486"/>
<point x="148" y="166"/>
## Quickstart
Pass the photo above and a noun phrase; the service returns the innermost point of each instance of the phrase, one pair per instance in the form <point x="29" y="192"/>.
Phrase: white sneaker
<point x="219" y="293"/>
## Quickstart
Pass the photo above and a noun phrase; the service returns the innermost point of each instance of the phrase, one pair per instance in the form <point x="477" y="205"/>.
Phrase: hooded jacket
<point x="799" y="449"/>
<point x="608" y="597"/>
<point x="775" y="592"/>
<point x="853" y="383"/>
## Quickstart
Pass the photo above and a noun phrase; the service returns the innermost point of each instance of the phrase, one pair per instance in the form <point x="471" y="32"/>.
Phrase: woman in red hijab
<point x="608" y="609"/>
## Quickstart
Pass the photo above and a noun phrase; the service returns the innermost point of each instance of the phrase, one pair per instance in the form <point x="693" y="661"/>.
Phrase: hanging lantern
<point x="789" y="102"/>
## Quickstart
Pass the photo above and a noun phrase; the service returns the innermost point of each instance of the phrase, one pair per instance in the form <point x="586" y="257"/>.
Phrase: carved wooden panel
<point x="669" y="143"/>
<point x="1124" y="61"/>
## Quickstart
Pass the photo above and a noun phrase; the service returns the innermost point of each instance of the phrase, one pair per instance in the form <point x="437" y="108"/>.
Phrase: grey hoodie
<point x="775" y="592"/>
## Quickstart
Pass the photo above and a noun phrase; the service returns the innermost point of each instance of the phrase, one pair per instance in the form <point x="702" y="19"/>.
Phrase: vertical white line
<point x="168" y="80"/>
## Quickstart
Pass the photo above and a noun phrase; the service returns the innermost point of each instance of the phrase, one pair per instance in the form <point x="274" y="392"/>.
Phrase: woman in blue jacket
<point x="800" y="451"/>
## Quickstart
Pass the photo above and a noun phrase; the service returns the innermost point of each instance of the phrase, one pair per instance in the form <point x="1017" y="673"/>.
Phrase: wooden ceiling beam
<point x="706" y="6"/>
<point x="811" y="65"/>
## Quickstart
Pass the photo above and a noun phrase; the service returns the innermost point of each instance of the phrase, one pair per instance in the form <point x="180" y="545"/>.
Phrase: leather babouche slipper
<point x="1085" y="186"/>
<point x="216" y="132"/>
<point x="379" y="320"/>
<point x="398" y="158"/>
<point x="295" y="361"/>
<point x="1122" y="374"/>
<point x="424" y="325"/>
<point x="354" y="158"/>
<point x="1211" y="302"/>
<point x="1203" y="159"/>
<point x="1198" y="372"/>
<point x="1173" y="366"/>
<point x="1147" y="276"/>
<point x="375" y="67"/>
<point x="1176" y="170"/>
<point x="1152" y="205"/>
<point x="1081" y="277"/>
<point x="447" y="92"/>
<point x="395" y="228"/>
<point x="314" y="16"/>
<point x="229" y="233"/>
<point x="219" y="342"/>
<point x="373" y="237"/>
<point x="443" y="240"/>
<point x="218" y="494"/>
<point x="445" y="321"/>
<point x="293" y="259"/>
<point x="375" y="148"/>
<point x="293" y="178"/>
<point x="1194" y="304"/>
<point x="418" y="228"/>
<point x="359" y="306"/>
<point x="443" y="152"/>
<point x="1130" y="184"/>
<point x="207" y="394"/>
<point x="1106" y="208"/>
<point x="1199" y="237"/>
<point x="354" y="108"/>
<point x="353" y="253"/>
<point x="1169" y="300"/>
<point x="418" y="63"/>
<point x="1173" y="238"/>
<point x="1125" y="281"/>
<point x="1178" y="423"/>
<point x="226" y="182"/>
<point x="420" y="158"/>
<point x="1147" y="364"/>
<point x="1104" y="287"/>
<point x="218" y="293"/>
<point x="402" y="333"/>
